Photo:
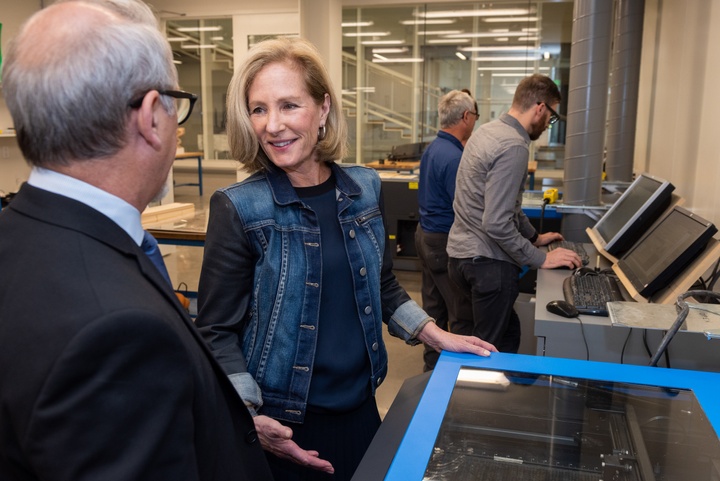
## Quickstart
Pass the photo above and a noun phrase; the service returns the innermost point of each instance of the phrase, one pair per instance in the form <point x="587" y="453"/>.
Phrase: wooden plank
<point x="167" y="212"/>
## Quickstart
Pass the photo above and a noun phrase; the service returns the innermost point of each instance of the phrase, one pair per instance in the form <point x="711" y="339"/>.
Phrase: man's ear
<point x="148" y="119"/>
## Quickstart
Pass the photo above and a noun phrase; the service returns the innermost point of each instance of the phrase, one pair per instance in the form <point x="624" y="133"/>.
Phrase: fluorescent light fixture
<point x="514" y="48"/>
<point x="217" y="39"/>
<point x="501" y="30"/>
<point x="439" y="32"/>
<point x="438" y="21"/>
<point x="195" y="47"/>
<point x="507" y="69"/>
<point x="379" y="57"/>
<point x="177" y="39"/>
<point x="357" y="24"/>
<point x="177" y="62"/>
<point x="368" y="34"/>
<point x="519" y="74"/>
<point x="475" y="13"/>
<point x="502" y="39"/>
<point x="216" y="28"/>
<point x="488" y="35"/>
<point x="382" y="42"/>
<point x="448" y="41"/>
<point x="460" y="56"/>
<point x="530" y="29"/>
<point x="399" y="60"/>
<point x="509" y="19"/>
<point x="506" y="59"/>
<point x="390" y="50"/>
<point x="528" y="39"/>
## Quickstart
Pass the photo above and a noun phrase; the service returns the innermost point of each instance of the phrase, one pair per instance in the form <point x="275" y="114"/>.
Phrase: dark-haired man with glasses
<point x="103" y="375"/>
<point x="491" y="238"/>
<point x="457" y="112"/>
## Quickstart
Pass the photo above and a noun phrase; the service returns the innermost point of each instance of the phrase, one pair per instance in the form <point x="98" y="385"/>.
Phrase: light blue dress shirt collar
<point x="122" y="213"/>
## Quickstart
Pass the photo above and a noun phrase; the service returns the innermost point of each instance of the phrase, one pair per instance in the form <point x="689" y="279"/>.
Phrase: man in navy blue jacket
<point x="438" y="167"/>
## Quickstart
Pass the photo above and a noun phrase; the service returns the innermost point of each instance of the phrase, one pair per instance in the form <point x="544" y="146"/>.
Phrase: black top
<point x="342" y="368"/>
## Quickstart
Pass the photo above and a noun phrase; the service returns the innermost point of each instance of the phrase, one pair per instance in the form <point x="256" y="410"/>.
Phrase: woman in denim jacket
<point x="296" y="278"/>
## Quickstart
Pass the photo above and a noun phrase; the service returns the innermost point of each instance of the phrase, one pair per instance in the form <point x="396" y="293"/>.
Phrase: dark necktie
<point x="150" y="247"/>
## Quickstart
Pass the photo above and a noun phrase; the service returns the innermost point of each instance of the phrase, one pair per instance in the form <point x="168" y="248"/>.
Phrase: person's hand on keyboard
<point x="546" y="238"/>
<point x="561" y="258"/>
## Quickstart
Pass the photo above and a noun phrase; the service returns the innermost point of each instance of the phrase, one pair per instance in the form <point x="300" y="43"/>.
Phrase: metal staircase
<point x="388" y="108"/>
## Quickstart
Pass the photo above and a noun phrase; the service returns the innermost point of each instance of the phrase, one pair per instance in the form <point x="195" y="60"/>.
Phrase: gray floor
<point x="184" y="264"/>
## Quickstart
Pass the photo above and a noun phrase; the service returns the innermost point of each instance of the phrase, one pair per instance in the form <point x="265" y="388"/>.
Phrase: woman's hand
<point x="440" y="340"/>
<point x="277" y="439"/>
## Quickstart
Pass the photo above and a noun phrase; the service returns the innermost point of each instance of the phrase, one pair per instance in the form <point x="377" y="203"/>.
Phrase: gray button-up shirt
<point x="489" y="220"/>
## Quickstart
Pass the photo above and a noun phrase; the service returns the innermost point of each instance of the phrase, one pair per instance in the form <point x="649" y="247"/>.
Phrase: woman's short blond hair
<point x="244" y="145"/>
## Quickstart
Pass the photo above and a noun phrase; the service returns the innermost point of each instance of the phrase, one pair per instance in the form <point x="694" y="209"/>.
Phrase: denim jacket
<point x="260" y="285"/>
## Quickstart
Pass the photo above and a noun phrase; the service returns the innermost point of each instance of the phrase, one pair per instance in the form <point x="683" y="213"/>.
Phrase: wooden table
<point x="397" y="166"/>
<point x="193" y="155"/>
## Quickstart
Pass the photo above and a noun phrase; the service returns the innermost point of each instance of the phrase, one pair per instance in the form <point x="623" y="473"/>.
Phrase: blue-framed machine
<point x="525" y="416"/>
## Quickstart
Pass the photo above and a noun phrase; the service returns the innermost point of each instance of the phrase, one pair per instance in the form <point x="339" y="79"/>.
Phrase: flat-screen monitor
<point x="665" y="250"/>
<point x="633" y="213"/>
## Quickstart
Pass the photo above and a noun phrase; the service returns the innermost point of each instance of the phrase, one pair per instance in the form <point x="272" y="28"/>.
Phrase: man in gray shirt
<point x="491" y="238"/>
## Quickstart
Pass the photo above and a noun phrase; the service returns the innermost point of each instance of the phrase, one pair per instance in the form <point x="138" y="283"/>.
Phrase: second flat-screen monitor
<point x="665" y="250"/>
<point x="633" y="213"/>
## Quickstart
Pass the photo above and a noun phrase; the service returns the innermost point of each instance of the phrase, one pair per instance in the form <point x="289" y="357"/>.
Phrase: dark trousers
<point x="438" y="291"/>
<point x="488" y="290"/>
<point x="341" y="438"/>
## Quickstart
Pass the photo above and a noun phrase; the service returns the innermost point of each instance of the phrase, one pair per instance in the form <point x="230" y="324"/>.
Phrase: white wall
<point x="677" y="134"/>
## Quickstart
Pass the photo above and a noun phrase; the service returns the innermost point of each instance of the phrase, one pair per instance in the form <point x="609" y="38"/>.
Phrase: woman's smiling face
<point x="285" y="118"/>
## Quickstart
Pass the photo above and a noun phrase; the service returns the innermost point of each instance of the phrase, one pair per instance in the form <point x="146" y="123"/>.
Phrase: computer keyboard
<point x="576" y="247"/>
<point x="591" y="292"/>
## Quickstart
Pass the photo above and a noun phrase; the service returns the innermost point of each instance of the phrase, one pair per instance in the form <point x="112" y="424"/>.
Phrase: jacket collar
<point x="56" y="209"/>
<point x="284" y="193"/>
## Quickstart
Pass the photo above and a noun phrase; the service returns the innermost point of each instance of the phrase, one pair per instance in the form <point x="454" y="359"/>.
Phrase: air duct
<point x="624" y="85"/>
<point x="586" y="110"/>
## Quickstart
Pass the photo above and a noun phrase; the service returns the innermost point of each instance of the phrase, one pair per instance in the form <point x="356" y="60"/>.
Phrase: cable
<point x="684" y="310"/>
<point x="582" y="329"/>
<point x="542" y="215"/>
<point x="622" y="352"/>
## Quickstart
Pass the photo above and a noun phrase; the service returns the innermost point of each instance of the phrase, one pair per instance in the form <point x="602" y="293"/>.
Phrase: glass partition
<point x="203" y="54"/>
<point x="399" y="60"/>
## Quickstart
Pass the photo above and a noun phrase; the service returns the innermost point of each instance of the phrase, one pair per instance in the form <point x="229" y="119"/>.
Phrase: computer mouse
<point x="562" y="308"/>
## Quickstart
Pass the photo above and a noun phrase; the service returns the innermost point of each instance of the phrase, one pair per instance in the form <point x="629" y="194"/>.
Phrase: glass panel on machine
<point x="513" y="425"/>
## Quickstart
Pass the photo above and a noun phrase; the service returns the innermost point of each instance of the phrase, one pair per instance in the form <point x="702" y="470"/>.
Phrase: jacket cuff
<point x="407" y="321"/>
<point x="248" y="390"/>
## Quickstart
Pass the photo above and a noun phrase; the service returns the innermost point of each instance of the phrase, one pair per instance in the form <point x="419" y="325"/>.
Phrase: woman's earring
<point x="322" y="132"/>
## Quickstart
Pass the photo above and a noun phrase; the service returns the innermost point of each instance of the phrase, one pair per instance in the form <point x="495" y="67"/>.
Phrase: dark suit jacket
<point x="102" y="374"/>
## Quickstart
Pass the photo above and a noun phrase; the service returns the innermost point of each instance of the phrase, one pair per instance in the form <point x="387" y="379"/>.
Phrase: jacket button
<point x="352" y="233"/>
<point x="251" y="437"/>
<point x="368" y="310"/>
<point x="379" y="381"/>
<point x="375" y="346"/>
<point x="363" y="271"/>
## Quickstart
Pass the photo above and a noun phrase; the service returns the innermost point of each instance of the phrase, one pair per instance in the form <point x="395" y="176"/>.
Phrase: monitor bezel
<point x="638" y="223"/>
<point x="674" y="268"/>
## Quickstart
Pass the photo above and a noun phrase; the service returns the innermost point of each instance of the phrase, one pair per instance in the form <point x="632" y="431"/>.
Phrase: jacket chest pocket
<point x="371" y="224"/>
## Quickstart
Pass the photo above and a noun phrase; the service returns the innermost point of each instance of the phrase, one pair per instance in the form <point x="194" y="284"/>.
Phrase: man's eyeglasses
<point x="184" y="102"/>
<point x="477" y="115"/>
<point x="554" y="116"/>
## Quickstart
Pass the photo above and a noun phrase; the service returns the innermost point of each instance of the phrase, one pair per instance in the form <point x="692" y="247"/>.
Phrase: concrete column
<point x="320" y="24"/>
